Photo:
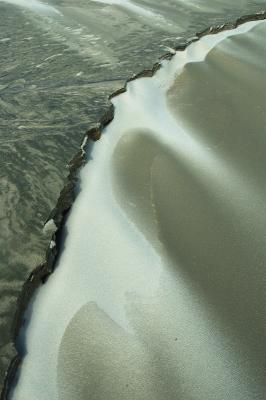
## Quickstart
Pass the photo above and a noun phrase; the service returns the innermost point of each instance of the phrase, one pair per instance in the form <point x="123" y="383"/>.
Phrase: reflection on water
<point x="133" y="8"/>
<point x="160" y="289"/>
<point x="34" y="5"/>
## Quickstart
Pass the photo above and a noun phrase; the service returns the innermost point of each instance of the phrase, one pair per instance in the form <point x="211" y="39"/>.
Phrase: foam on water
<point x="119" y="319"/>
<point x="132" y="7"/>
<point x="34" y="5"/>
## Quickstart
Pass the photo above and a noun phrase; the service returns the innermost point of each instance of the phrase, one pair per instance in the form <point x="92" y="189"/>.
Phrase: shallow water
<point x="160" y="289"/>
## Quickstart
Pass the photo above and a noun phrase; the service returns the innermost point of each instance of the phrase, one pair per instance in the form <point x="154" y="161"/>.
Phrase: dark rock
<point x="76" y="161"/>
<point x="94" y="134"/>
<point x="107" y="117"/>
<point x="118" y="92"/>
<point x="10" y="376"/>
<point x="146" y="73"/>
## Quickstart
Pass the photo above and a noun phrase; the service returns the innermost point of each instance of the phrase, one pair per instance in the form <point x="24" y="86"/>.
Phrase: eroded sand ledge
<point x="68" y="194"/>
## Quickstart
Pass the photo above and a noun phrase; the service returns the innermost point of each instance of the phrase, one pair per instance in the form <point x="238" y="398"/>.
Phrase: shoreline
<point x="69" y="193"/>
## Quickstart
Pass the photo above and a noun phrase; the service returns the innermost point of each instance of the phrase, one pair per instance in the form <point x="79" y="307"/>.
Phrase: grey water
<point x="59" y="62"/>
